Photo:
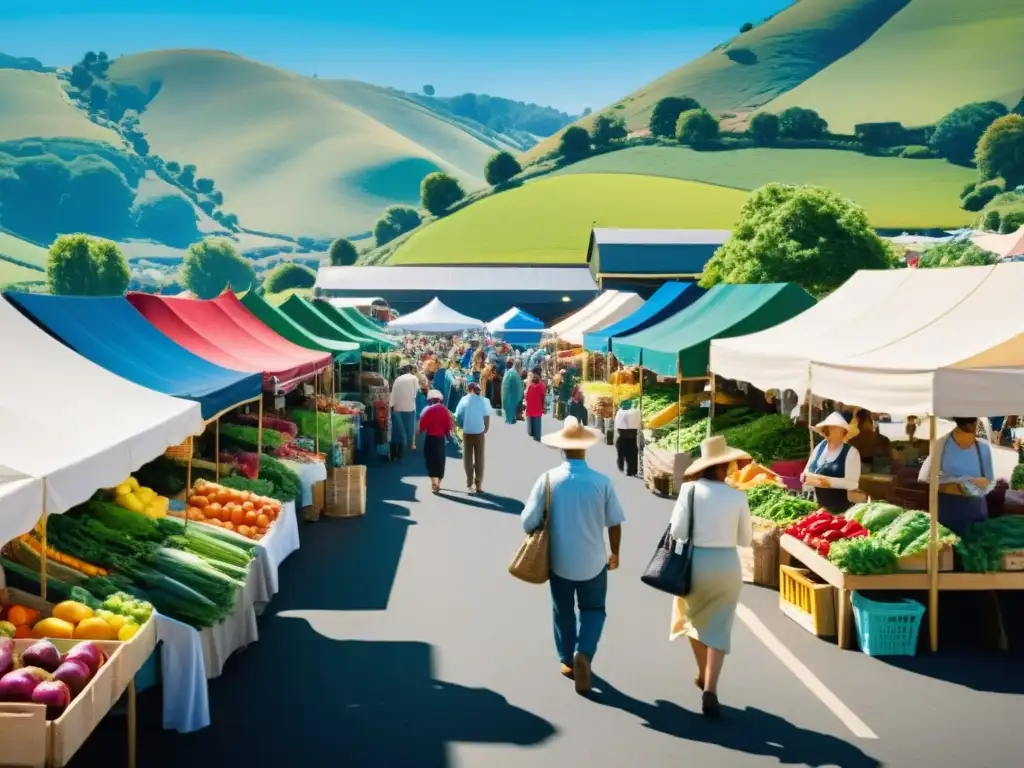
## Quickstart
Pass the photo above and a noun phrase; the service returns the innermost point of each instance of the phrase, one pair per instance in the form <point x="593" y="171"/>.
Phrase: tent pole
<point x="42" y="557"/>
<point x="316" y="414"/>
<point x="679" y="397"/>
<point x="711" y="403"/>
<point x="810" y="420"/>
<point x="259" y="439"/>
<point x="933" y="539"/>
<point x="188" y="474"/>
<point x="216" y="450"/>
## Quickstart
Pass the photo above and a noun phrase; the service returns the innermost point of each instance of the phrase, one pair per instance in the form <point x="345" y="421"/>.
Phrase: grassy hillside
<point x="292" y="154"/>
<point x="897" y="193"/>
<point x="549" y="220"/>
<point x="14" y="248"/>
<point x="32" y="104"/>
<point x="753" y="68"/>
<point x="932" y="56"/>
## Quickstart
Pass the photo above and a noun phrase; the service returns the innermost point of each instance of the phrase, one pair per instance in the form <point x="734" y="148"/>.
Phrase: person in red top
<point x="535" y="394"/>
<point x="436" y="422"/>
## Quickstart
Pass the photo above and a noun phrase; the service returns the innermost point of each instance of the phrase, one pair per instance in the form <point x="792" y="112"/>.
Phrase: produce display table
<point x="281" y="540"/>
<point x="793" y="549"/>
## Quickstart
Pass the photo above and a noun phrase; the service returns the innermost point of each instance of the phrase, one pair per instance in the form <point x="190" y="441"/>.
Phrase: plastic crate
<point x="887" y="629"/>
<point x="809" y="603"/>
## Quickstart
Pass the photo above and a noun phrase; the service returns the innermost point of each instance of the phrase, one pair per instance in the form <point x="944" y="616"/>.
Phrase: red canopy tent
<point x="217" y="331"/>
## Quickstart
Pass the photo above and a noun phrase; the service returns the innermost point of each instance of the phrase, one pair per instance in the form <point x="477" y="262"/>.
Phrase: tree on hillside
<point x="79" y="265"/>
<point x="187" y="176"/>
<point x="747" y="26"/>
<point x="342" y="253"/>
<point x="429" y="90"/>
<point x="289" y="275"/>
<point x="574" y="144"/>
<point x="1000" y="152"/>
<point x="439" y="192"/>
<point x="805" y="235"/>
<point x="696" y="127"/>
<point x="170" y="219"/>
<point x="204" y="185"/>
<point x="957" y="134"/>
<point x="80" y="78"/>
<point x="1011" y="222"/>
<point x="607" y="130"/>
<point x="959" y="254"/>
<point x="991" y="221"/>
<point x="802" y="123"/>
<point x="982" y="195"/>
<point x="666" y="114"/>
<point x="213" y="265"/>
<point x="395" y="222"/>
<point x="500" y="168"/>
<point x="764" y="128"/>
<point x="173" y="166"/>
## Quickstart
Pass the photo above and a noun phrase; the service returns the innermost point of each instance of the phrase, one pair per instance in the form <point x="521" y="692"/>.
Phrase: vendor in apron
<point x="965" y="476"/>
<point x="834" y="467"/>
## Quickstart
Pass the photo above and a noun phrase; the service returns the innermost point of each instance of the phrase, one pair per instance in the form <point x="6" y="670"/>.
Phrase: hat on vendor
<point x="714" y="451"/>
<point x="836" y="419"/>
<point x="573" y="436"/>
<point x="433" y="396"/>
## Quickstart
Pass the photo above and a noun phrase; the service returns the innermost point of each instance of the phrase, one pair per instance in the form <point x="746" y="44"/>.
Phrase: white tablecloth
<point x="281" y="540"/>
<point x="309" y="475"/>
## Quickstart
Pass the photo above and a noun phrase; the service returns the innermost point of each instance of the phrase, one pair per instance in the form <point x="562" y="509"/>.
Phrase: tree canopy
<point x="289" y="275"/>
<point x="957" y="134"/>
<point x="396" y="221"/>
<point x="213" y="265"/>
<point x="500" y="168"/>
<point x="79" y="265"/>
<point x="168" y="219"/>
<point x="805" y="235"/>
<point x="764" y="127"/>
<point x="959" y="254"/>
<point x="439" y="192"/>
<point x="802" y="123"/>
<point x="666" y="114"/>
<point x="574" y="144"/>
<point x="696" y="127"/>
<point x="607" y="129"/>
<point x="1000" y="152"/>
<point x="343" y="253"/>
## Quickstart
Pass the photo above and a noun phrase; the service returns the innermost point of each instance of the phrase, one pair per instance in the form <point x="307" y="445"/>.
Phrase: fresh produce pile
<point x="296" y="452"/>
<point x="119" y="618"/>
<point x="1017" y="478"/>
<point x="767" y="438"/>
<point x="863" y="557"/>
<point x="874" y="515"/>
<point x="289" y="429"/>
<point x="286" y="483"/>
<point x="770" y="502"/>
<point x="752" y="476"/>
<point x="344" y="407"/>
<point x="326" y="426"/>
<point x="17" y="621"/>
<point x="164" y="475"/>
<point x="692" y="433"/>
<point x="41" y="675"/>
<point x="138" y="498"/>
<point x="248" y="438"/>
<point x="257" y="487"/>
<point x="224" y="507"/>
<point x="983" y="544"/>
<point x="821" y="529"/>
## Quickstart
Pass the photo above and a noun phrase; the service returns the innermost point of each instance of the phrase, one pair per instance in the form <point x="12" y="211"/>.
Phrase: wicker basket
<point x="183" y="451"/>
<point x="346" y="492"/>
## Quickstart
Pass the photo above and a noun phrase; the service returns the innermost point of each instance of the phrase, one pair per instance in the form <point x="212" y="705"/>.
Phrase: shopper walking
<point x="403" y="409"/>
<point x="436" y="422"/>
<point x="512" y="391"/>
<point x="536" y="392"/>
<point x="583" y="504"/>
<point x="721" y="522"/>
<point x="474" y="417"/>
<point x="627" y="427"/>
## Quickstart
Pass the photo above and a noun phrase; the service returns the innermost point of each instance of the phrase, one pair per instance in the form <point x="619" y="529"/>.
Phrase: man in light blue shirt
<point x="583" y="503"/>
<point x="473" y="415"/>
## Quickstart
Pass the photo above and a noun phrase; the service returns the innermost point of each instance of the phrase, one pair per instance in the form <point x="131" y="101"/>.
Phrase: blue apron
<point x="835" y="500"/>
<point x="958" y="512"/>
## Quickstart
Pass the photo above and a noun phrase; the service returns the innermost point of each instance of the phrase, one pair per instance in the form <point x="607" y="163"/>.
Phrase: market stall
<point x="435" y="317"/>
<point x="356" y="319"/>
<point x="669" y="299"/>
<point x="314" y="320"/>
<point x="344" y="352"/>
<point x="621" y="305"/>
<point x="517" y="327"/>
<point x="581" y="315"/>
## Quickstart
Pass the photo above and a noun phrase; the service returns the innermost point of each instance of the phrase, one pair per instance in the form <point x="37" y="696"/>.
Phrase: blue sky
<point x="569" y="54"/>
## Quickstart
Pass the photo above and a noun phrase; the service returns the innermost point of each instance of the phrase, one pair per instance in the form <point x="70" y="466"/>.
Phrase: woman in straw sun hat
<point x="583" y="504"/>
<point x="721" y="523"/>
<point x="834" y="466"/>
<point x="436" y="421"/>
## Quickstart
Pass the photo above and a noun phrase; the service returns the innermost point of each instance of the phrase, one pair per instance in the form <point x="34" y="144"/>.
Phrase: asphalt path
<point x="399" y="639"/>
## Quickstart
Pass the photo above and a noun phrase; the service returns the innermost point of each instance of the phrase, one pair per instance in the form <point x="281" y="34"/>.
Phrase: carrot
<point x="71" y="562"/>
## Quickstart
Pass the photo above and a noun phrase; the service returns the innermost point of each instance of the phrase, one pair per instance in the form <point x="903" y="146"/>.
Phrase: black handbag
<point x="670" y="571"/>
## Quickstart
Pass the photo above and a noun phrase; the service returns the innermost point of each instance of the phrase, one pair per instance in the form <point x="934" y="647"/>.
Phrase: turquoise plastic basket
<point x="887" y="629"/>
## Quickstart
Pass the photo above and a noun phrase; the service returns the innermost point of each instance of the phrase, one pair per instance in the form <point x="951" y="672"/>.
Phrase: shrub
<point x="204" y="185"/>
<point x="396" y="221"/>
<point x="957" y="134"/>
<point x="500" y="168"/>
<point x="1011" y="222"/>
<point x="342" y="253"/>
<point x="968" y="188"/>
<point x="79" y="265"/>
<point x="981" y="196"/>
<point x="574" y="144"/>
<point x="1000" y="151"/>
<point x="916" y="152"/>
<point x="666" y="114"/>
<point x="991" y="221"/>
<point x="173" y="166"/>
<point x="764" y="127"/>
<point x="801" y="123"/>
<point x="747" y="26"/>
<point x="607" y="130"/>
<point x="213" y="265"/>
<point x="881" y="134"/>
<point x="696" y="127"/>
<point x="957" y="254"/>
<point x="289" y="275"/>
<point x="439" y="191"/>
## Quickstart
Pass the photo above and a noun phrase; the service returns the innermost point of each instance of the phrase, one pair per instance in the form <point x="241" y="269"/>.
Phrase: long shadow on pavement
<point x="486" y="501"/>
<point x="749" y="730"/>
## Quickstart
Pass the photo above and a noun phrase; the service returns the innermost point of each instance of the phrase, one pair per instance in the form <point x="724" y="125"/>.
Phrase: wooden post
<point x="259" y="438"/>
<point x="810" y="404"/>
<point x="679" y="397"/>
<point x="933" y="542"/>
<point x="132" y="723"/>
<point x="188" y="474"/>
<point x="216" y="449"/>
<point x="316" y="414"/>
<point x="42" y="557"/>
<point x="711" y="404"/>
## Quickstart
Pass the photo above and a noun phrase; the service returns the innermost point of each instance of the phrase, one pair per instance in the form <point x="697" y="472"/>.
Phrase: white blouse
<point x="722" y="518"/>
<point x="850" y="481"/>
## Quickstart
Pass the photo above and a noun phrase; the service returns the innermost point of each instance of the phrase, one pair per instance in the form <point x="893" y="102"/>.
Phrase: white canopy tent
<point x="436" y="317"/>
<point x="357" y="302"/>
<point x="621" y="305"/>
<point x="582" y="314"/>
<point x="70" y="427"/>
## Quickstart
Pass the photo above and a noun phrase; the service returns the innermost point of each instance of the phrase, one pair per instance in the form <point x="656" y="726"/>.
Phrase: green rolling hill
<point x="33" y="105"/>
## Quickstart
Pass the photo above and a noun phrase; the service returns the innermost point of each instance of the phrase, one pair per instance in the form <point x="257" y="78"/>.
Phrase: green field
<point x="292" y="154"/>
<point x="15" y="273"/>
<point x="549" y="220"/>
<point x="933" y="56"/>
<point x="33" y="105"/>
<point x="22" y="250"/>
<point x="897" y="193"/>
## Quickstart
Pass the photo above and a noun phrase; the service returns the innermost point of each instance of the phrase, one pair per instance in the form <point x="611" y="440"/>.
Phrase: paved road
<point x="400" y="640"/>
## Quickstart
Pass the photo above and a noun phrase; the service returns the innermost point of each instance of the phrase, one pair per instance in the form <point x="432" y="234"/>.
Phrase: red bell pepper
<point x="851" y="527"/>
<point x="832" y="535"/>
<point x="808" y="538"/>
<point x="823" y="548"/>
<point x="836" y="524"/>
<point x="818" y="527"/>
<point x="861" y="534"/>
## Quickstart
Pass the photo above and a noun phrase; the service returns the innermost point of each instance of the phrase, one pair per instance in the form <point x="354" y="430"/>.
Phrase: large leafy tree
<point x="574" y="144"/>
<point x="666" y="114"/>
<point x="396" y="221"/>
<point x="79" y="265"/>
<point x="289" y="275"/>
<point x="343" y="253"/>
<point x="213" y="265"/>
<point x="802" y="123"/>
<point x="696" y="127"/>
<point x="608" y="129"/>
<point x="439" y="192"/>
<point x="805" y="235"/>
<point x="1001" y="151"/>
<point x="956" y="135"/>
<point x="500" y="168"/>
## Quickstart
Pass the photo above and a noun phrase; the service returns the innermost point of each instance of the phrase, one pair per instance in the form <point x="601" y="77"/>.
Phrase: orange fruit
<point x="250" y="517"/>
<point x="17" y="615"/>
<point x="248" y="506"/>
<point x="228" y="526"/>
<point x="199" y="501"/>
<point x="211" y="512"/>
<point x="263" y="522"/>
<point x="224" y="515"/>
<point x="243" y="530"/>
<point x="22" y="631"/>
<point x="237" y="516"/>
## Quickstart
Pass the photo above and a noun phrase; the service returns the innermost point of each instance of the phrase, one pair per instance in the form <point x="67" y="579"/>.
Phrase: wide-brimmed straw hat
<point x="714" y="451"/>
<point x="434" y="395"/>
<point x="573" y="436"/>
<point x="835" y="419"/>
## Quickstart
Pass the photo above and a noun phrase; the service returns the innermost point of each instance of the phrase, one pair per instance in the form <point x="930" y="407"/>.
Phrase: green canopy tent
<point x="350" y="317"/>
<point x="309" y="317"/>
<point x="681" y="345"/>
<point x="344" y="352"/>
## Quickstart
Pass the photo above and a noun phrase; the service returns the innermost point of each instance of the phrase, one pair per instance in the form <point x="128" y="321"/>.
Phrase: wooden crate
<point x="809" y="603"/>
<point x="345" y="494"/>
<point x="919" y="563"/>
<point x="311" y="513"/>
<point x="1013" y="561"/>
<point x="765" y="549"/>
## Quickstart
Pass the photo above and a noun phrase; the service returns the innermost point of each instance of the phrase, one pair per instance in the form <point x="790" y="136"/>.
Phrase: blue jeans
<point x="404" y="427"/>
<point x="533" y="427"/>
<point x="589" y="596"/>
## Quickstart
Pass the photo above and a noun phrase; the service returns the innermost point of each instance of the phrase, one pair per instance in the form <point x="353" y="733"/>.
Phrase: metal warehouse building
<point x="483" y="292"/>
<point x="641" y="260"/>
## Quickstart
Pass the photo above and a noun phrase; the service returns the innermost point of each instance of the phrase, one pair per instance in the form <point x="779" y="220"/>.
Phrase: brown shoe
<point x="565" y="670"/>
<point x="709" y="704"/>
<point x="581" y="673"/>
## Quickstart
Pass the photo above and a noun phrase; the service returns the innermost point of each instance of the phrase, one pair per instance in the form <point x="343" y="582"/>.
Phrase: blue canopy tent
<point x="667" y="300"/>
<point x="111" y="333"/>
<point x="517" y="327"/>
